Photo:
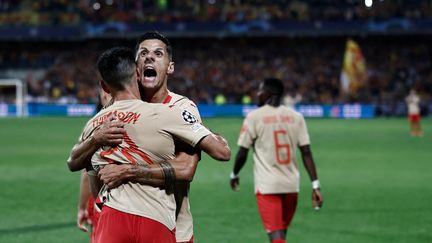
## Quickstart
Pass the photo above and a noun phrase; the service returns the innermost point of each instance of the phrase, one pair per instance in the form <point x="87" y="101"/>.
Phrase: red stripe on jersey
<point x="133" y="148"/>
<point x="127" y="151"/>
<point x="106" y="153"/>
<point x="167" y="99"/>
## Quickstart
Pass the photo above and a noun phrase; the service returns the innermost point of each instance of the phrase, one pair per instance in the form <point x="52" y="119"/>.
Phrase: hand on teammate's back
<point x="110" y="133"/>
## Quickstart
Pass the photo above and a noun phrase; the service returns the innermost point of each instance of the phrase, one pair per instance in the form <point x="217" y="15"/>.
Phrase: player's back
<point x="278" y="133"/>
<point x="145" y="142"/>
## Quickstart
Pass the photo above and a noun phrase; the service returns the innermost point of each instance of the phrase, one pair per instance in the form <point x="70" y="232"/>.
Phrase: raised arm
<point x="108" y="134"/>
<point x="317" y="199"/>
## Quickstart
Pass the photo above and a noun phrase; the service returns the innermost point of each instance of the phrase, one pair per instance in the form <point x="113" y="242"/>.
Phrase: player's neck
<point x="125" y="95"/>
<point x="273" y="101"/>
<point x="155" y="96"/>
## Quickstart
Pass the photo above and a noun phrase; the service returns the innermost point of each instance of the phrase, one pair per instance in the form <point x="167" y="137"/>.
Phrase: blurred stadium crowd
<point x="208" y="68"/>
<point x="63" y="12"/>
<point x="234" y="66"/>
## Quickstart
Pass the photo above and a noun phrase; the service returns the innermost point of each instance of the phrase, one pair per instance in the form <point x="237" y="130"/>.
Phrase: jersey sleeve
<point x="247" y="133"/>
<point x="87" y="131"/>
<point x="84" y="134"/>
<point x="189" y="105"/>
<point x="182" y="124"/>
<point x="303" y="135"/>
<point x="180" y="146"/>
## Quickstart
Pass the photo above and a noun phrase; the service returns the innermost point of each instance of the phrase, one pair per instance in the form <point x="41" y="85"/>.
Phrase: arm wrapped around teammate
<point x="169" y="176"/>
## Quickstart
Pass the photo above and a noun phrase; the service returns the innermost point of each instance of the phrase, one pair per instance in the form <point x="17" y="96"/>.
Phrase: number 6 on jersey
<point x="282" y="149"/>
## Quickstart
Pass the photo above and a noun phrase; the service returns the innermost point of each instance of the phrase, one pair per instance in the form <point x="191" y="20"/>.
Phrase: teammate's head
<point x="117" y="67"/>
<point x="153" y="35"/>
<point x="153" y="55"/>
<point x="270" y="91"/>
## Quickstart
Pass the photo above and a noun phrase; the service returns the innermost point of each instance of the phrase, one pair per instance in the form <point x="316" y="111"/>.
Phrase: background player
<point x="413" y="101"/>
<point x="275" y="131"/>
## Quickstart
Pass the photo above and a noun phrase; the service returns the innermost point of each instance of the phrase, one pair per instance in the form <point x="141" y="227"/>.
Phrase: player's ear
<point x="104" y="86"/>
<point x="170" y="68"/>
<point x="138" y="73"/>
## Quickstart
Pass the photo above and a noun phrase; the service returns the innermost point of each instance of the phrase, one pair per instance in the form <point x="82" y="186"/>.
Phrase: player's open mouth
<point x="150" y="74"/>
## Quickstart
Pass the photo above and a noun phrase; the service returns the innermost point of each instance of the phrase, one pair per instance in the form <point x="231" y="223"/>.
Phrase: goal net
<point x="13" y="93"/>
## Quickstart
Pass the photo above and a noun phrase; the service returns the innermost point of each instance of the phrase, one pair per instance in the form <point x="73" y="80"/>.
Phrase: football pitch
<point x="376" y="182"/>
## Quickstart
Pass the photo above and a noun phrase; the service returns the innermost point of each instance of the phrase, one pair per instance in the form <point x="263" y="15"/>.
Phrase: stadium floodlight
<point x="20" y="95"/>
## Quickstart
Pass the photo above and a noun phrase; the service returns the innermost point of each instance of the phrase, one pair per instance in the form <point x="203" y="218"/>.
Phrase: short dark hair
<point x="274" y="86"/>
<point x="117" y="67"/>
<point x="154" y="35"/>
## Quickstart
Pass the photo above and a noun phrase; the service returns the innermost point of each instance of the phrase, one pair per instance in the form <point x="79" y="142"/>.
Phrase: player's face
<point x="153" y="64"/>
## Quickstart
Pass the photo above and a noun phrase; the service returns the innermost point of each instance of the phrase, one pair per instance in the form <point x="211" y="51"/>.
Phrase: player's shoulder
<point x="185" y="104"/>
<point x="172" y="114"/>
<point x="181" y="101"/>
<point x="291" y="112"/>
<point x="258" y="112"/>
<point x="295" y="113"/>
<point x="95" y="121"/>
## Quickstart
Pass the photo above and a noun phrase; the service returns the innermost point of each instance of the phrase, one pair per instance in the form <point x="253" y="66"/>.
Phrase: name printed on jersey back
<point x="124" y="116"/>
<point x="277" y="119"/>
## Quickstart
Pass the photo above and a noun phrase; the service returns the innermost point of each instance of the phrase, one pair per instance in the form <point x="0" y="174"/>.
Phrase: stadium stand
<point x="215" y="55"/>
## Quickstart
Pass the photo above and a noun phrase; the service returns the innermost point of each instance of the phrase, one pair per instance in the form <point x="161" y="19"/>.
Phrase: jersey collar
<point x="167" y="99"/>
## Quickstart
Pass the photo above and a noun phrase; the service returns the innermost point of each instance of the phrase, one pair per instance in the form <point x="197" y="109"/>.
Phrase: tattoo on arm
<point x="145" y="175"/>
<point x="141" y="170"/>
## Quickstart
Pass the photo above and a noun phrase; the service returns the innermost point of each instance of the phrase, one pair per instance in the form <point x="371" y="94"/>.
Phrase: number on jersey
<point x="281" y="148"/>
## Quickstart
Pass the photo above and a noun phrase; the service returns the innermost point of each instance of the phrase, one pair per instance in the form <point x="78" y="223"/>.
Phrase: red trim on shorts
<point x="276" y="210"/>
<point x="414" y="117"/>
<point x="167" y="99"/>
<point x="117" y="226"/>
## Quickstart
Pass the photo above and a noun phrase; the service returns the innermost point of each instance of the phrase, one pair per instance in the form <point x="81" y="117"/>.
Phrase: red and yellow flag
<point x="354" y="72"/>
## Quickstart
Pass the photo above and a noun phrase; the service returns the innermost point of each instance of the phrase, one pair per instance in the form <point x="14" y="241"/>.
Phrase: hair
<point x="154" y="35"/>
<point x="117" y="67"/>
<point x="274" y="86"/>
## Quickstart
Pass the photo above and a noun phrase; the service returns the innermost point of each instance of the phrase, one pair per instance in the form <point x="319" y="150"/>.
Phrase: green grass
<point x="376" y="183"/>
